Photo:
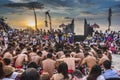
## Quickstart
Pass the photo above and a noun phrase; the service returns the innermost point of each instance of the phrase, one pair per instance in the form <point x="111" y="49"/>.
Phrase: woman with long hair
<point x="95" y="73"/>
<point x="62" y="73"/>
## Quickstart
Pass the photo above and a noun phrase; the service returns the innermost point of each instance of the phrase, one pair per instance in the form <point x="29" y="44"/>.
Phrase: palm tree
<point x="33" y="6"/>
<point x="35" y="18"/>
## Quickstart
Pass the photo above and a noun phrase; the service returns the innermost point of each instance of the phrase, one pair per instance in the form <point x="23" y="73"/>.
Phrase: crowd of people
<point x="54" y="55"/>
<point x="109" y="38"/>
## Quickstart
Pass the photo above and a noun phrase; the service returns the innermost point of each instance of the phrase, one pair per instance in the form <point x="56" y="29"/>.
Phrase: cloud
<point x="116" y="10"/>
<point x="22" y="1"/>
<point x="86" y="12"/>
<point x="66" y="7"/>
<point x="117" y="0"/>
<point x="16" y="1"/>
<point x="68" y="18"/>
<point x="91" y="15"/>
<point x="116" y="6"/>
<point x="28" y="5"/>
<point x="87" y="3"/>
<point x="55" y="3"/>
<point x="62" y="10"/>
<point x="19" y="8"/>
<point x="63" y="0"/>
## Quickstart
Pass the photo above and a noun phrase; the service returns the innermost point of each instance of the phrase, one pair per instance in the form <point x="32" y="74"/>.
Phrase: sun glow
<point x="31" y="23"/>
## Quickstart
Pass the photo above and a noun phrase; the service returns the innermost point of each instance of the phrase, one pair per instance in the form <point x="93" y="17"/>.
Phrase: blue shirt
<point x="110" y="74"/>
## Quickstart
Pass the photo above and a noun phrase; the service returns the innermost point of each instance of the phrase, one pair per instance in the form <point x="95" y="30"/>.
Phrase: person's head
<point x="65" y="51"/>
<point x="2" y="73"/>
<point x="87" y="48"/>
<point x="45" y="76"/>
<point x="51" y="50"/>
<point x="28" y="49"/>
<point x="10" y="49"/>
<point x="32" y="65"/>
<point x="7" y="61"/>
<point x="18" y="51"/>
<point x="63" y="68"/>
<point x="39" y="53"/>
<point x="49" y="55"/>
<point x="60" y="49"/>
<point x="30" y="74"/>
<point x="8" y="71"/>
<point x="25" y="53"/>
<point x="34" y="49"/>
<point x="67" y="55"/>
<point x="86" y="54"/>
<point x="77" y="74"/>
<point x="77" y="51"/>
<point x="99" y="52"/>
<point x="107" y="64"/>
<point x="105" y="48"/>
<point x="46" y="49"/>
<point x="21" y="46"/>
<point x="94" y="73"/>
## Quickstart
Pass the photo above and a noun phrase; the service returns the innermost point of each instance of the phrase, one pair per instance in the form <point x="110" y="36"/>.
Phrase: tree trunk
<point x="50" y="22"/>
<point x="35" y="19"/>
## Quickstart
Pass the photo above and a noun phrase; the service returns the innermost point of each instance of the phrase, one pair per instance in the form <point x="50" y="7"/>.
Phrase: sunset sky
<point x="62" y="11"/>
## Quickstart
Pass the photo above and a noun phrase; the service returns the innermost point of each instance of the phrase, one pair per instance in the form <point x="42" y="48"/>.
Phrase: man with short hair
<point x="44" y="53"/>
<point x="109" y="73"/>
<point x="8" y="54"/>
<point x="89" y="61"/>
<point x="77" y="75"/>
<point x="49" y="64"/>
<point x="70" y="61"/>
<point x="102" y="57"/>
<point x="10" y="73"/>
<point x="20" y="59"/>
<point x="32" y="54"/>
<point x="37" y="59"/>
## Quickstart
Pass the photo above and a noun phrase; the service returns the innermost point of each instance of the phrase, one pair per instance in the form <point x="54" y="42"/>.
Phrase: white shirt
<point x="14" y="75"/>
<point x="7" y="79"/>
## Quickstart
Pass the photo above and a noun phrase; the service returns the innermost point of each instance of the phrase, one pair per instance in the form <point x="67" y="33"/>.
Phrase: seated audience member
<point x="30" y="74"/>
<point x="89" y="60"/>
<point x="32" y="65"/>
<point x="7" y="61"/>
<point x="37" y="58"/>
<point x="95" y="74"/>
<point x="8" y="73"/>
<point x="49" y="65"/>
<point x="62" y="73"/>
<point x="109" y="73"/>
<point x="70" y="61"/>
<point x="77" y="75"/>
<point x="45" y="76"/>
<point x="21" y="58"/>
<point x="8" y="53"/>
<point x="102" y="57"/>
<point x="11" y="71"/>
